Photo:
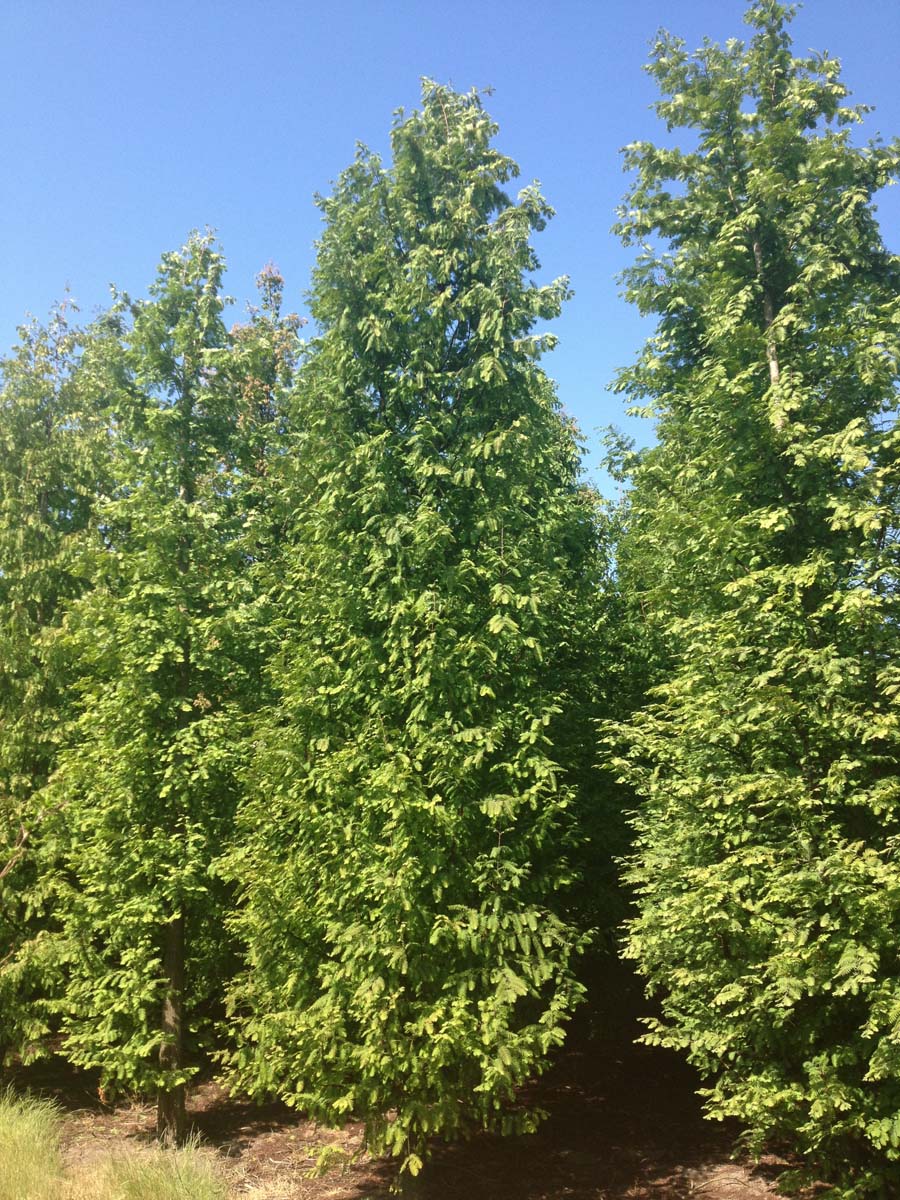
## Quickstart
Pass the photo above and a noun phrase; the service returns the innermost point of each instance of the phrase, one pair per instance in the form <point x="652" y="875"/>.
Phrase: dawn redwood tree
<point x="169" y="650"/>
<point x="416" y="785"/>
<point x="51" y="449"/>
<point x="762" y="542"/>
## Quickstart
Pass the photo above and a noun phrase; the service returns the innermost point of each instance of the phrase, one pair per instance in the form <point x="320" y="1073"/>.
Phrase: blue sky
<point x="124" y="125"/>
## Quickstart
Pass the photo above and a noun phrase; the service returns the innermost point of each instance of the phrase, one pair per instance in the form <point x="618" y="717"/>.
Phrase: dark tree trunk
<point x="171" y="1118"/>
<point x="768" y="315"/>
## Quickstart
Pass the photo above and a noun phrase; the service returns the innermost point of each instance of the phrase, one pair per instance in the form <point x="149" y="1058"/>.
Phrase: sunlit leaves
<point x="417" y="785"/>
<point x="167" y="648"/>
<point x="52" y="463"/>
<point x="761" y="543"/>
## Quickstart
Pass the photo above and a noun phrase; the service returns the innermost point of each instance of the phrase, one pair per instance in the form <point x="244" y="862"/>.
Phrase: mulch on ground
<point x="624" y="1123"/>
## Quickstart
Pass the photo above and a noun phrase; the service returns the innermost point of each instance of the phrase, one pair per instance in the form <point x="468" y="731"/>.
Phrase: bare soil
<point x="624" y="1123"/>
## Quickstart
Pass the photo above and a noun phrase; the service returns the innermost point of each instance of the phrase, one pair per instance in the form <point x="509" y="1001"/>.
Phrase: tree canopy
<point x="415" y="790"/>
<point x="329" y="685"/>
<point x="762" y="536"/>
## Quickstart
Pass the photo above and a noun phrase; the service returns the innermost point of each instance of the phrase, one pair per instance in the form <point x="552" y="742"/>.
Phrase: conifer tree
<point x="169" y="651"/>
<point x="51" y="454"/>
<point x="415" y="789"/>
<point x="762" y="538"/>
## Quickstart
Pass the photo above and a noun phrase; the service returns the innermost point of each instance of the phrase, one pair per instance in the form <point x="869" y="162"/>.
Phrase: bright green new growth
<point x="762" y="540"/>
<point x="313" y="672"/>
<point x="169" y="647"/>
<point x="51" y="451"/>
<point x="416" y="784"/>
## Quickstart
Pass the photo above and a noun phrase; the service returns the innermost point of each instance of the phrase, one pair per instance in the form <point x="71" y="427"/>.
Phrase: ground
<point x="623" y="1123"/>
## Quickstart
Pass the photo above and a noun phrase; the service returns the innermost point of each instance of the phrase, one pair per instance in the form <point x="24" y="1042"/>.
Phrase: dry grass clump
<point x="31" y="1164"/>
<point x="153" y="1174"/>
<point x="30" y="1160"/>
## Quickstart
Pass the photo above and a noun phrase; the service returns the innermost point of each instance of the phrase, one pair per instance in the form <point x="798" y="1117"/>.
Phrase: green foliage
<point x="762" y="542"/>
<point x="309" y="662"/>
<point x="169" y="644"/>
<point x="418" y="783"/>
<point x="51" y="463"/>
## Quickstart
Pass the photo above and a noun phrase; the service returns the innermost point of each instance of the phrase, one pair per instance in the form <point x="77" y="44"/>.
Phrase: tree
<point x="417" y="780"/>
<point x="169" y="650"/>
<point x="762" y="538"/>
<point x="51" y="461"/>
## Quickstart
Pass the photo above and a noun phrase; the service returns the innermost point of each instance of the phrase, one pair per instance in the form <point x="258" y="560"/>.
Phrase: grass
<point x="155" y="1174"/>
<point x="31" y="1165"/>
<point x="30" y="1160"/>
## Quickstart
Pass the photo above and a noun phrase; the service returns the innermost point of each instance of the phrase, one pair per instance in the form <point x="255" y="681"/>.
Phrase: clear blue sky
<point x="124" y="124"/>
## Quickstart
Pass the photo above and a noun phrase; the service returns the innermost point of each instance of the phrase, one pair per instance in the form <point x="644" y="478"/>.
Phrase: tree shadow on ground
<point x="623" y="1123"/>
<point x="623" y="1120"/>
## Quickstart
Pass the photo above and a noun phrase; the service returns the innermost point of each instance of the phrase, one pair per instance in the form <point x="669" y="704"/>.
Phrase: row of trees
<point x="326" y="681"/>
<point x="302" y="666"/>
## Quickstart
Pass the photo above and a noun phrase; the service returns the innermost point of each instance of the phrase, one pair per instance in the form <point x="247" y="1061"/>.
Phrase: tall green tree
<point x="170" y="649"/>
<point x="51" y="456"/>
<point x="762" y="542"/>
<point x="416" y="786"/>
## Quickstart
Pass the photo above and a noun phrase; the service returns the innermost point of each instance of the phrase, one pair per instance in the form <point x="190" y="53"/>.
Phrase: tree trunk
<point x="768" y="315"/>
<point x="171" y="1118"/>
